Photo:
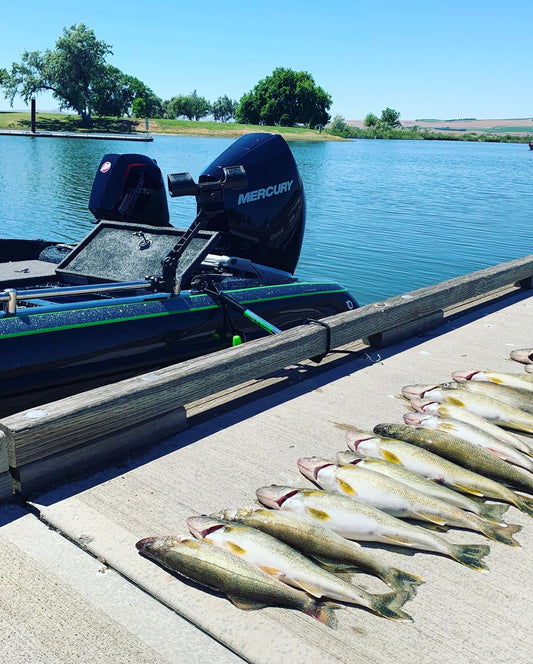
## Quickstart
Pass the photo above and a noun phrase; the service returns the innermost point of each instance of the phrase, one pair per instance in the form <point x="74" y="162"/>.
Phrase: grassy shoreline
<point x="71" y="123"/>
<point x="58" y="122"/>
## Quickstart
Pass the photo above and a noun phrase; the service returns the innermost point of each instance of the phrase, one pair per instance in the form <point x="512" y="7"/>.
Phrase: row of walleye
<point x="456" y="448"/>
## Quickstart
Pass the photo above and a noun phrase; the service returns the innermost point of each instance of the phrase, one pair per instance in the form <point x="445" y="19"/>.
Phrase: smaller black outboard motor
<point x="129" y="188"/>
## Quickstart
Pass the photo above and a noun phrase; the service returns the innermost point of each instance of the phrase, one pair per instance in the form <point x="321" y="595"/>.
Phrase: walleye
<point x="493" y="513"/>
<point x="493" y="410"/>
<point x="517" y="380"/>
<point x="246" y="586"/>
<point x="436" y="468"/>
<point x="290" y="566"/>
<point x="516" y="397"/>
<point x="357" y="521"/>
<point x="396" y="498"/>
<point x="460" y="451"/>
<point x="321" y="543"/>
<point x="472" y="434"/>
<point x="449" y="411"/>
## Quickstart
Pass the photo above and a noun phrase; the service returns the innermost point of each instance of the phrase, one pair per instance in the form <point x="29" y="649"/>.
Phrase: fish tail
<point x="324" y="613"/>
<point x="501" y="532"/>
<point x="402" y="581"/>
<point x="388" y="605"/>
<point x="493" y="512"/>
<point x="524" y="504"/>
<point x="470" y="555"/>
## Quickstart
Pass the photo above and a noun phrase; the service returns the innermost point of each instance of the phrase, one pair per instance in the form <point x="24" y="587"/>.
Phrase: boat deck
<point x="74" y="588"/>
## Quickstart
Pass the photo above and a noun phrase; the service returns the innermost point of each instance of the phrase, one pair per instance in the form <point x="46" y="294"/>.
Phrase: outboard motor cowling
<point x="265" y="221"/>
<point x="129" y="188"/>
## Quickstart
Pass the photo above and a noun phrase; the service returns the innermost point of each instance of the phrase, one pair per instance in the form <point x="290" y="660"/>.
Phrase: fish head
<point x="462" y="376"/>
<point x="426" y="406"/>
<point x="419" y="419"/>
<point x="151" y="546"/>
<point x="347" y="457"/>
<point x="419" y="391"/>
<point x="203" y="526"/>
<point x="274" y="495"/>
<point x="311" y="466"/>
<point x="355" y="438"/>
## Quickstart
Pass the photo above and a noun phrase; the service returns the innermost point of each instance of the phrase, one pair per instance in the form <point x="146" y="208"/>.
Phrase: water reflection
<point x="383" y="217"/>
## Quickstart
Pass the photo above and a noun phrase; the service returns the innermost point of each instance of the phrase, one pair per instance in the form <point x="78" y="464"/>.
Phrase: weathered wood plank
<point x="6" y="481"/>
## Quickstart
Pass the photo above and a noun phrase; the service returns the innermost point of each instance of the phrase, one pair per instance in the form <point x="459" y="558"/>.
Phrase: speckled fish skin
<point x="493" y="410"/>
<point x="397" y="498"/>
<point x="473" y="435"/>
<point x="318" y="541"/>
<point x="522" y="381"/>
<point x="512" y="396"/>
<point x="244" y="584"/>
<point x="434" y="467"/>
<point x="290" y="566"/>
<point x="489" y="512"/>
<point x="460" y="451"/>
<point x="362" y="522"/>
<point x="449" y="411"/>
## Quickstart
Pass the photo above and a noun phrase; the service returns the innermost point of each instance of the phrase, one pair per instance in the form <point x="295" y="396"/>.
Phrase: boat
<point x="137" y="293"/>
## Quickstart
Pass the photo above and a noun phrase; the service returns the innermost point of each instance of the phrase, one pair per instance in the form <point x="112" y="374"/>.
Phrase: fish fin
<point x="319" y="515"/>
<point x="390" y="456"/>
<point x="309" y="588"/>
<point x="471" y="555"/>
<point x="493" y="512"/>
<point x="402" y="581"/>
<point x="236" y="549"/>
<point x="524" y="504"/>
<point x="455" y="401"/>
<point x="346" y="488"/>
<point x="271" y="571"/>
<point x="432" y="518"/>
<point x="246" y="604"/>
<point x="388" y="605"/>
<point x="324" y="613"/>
<point x="334" y="565"/>
<point x="501" y="533"/>
<point x="396" y="539"/>
<point x="518" y="426"/>
<point x="467" y="489"/>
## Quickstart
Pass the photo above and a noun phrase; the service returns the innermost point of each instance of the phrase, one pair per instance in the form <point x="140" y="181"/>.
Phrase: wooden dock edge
<point x="46" y="444"/>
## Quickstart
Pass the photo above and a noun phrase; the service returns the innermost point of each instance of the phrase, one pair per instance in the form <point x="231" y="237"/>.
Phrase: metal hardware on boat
<point x="144" y="242"/>
<point x="11" y="296"/>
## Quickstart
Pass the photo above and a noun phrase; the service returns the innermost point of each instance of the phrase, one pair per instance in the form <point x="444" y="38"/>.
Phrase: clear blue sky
<point x="434" y="59"/>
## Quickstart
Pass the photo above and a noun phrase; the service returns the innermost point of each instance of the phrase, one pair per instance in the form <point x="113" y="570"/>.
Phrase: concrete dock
<point x="74" y="588"/>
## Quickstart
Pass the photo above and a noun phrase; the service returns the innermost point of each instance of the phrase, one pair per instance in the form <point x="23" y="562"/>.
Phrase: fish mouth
<point x="414" y="418"/>
<point x="201" y="527"/>
<point x="411" y="391"/>
<point x="462" y="376"/>
<point x="274" y="496"/>
<point x="145" y="544"/>
<point x="421" y="404"/>
<point x="311" y="466"/>
<point x="355" y="438"/>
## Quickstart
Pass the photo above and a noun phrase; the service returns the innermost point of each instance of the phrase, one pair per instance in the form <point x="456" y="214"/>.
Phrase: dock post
<point x="33" y="115"/>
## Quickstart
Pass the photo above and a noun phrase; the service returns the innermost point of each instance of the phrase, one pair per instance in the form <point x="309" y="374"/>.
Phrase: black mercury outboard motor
<point x="129" y="188"/>
<point x="265" y="221"/>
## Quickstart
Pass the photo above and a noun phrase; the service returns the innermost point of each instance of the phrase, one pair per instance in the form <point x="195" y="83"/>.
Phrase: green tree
<point x="191" y="106"/>
<point x="224" y="108"/>
<point x="390" y="117"/>
<point x="371" y="120"/>
<point x="71" y="71"/>
<point x="286" y="98"/>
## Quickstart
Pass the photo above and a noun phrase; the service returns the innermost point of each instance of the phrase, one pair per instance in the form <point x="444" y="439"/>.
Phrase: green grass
<point x="72" y="123"/>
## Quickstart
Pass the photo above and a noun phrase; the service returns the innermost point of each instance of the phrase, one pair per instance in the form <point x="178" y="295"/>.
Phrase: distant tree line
<point x="80" y="79"/>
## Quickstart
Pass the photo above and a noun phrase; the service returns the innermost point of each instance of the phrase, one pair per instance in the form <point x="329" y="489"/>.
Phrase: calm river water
<point x="383" y="217"/>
